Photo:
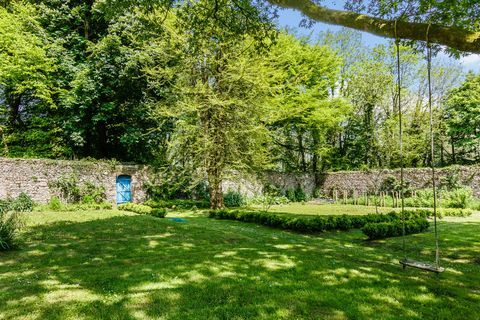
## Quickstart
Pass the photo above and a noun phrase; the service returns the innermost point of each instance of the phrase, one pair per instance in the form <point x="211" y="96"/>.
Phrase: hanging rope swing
<point x="405" y="262"/>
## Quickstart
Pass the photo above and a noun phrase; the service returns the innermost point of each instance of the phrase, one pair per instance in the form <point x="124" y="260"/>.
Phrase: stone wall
<point x="33" y="177"/>
<point x="367" y="181"/>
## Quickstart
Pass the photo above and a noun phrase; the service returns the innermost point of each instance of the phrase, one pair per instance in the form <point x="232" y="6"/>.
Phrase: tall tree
<point x="305" y="116"/>
<point x="463" y="120"/>
<point x="27" y="86"/>
<point x="220" y="92"/>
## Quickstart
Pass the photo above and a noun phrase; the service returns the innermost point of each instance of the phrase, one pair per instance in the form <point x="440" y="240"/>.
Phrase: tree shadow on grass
<point x="137" y="267"/>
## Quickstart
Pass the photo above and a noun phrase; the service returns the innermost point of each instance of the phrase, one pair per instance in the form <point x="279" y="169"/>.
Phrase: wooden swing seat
<point x="421" y="265"/>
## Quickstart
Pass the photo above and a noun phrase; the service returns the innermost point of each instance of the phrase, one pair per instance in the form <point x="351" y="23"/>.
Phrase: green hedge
<point x="134" y="207"/>
<point x="304" y="224"/>
<point x="178" y="204"/>
<point x="384" y="230"/>
<point x="143" y="209"/>
<point x="158" y="212"/>
<point x="441" y="212"/>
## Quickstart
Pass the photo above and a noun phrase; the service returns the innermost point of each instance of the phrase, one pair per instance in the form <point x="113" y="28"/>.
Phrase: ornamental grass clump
<point x="9" y="227"/>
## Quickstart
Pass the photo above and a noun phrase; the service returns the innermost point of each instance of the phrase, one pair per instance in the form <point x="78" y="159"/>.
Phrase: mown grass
<point x="309" y="209"/>
<point x="115" y="265"/>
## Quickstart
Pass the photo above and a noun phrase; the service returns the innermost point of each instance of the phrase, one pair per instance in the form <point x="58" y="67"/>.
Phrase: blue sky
<point x="292" y="19"/>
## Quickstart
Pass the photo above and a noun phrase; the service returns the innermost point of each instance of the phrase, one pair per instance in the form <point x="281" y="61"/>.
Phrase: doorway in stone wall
<point x="124" y="189"/>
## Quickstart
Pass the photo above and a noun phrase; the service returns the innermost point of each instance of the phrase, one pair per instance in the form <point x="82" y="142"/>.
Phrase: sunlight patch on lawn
<point x="62" y="292"/>
<point x="169" y="284"/>
<point x="384" y="299"/>
<point x="225" y="254"/>
<point x="159" y="236"/>
<point x="342" y="276"/>
<point x="425" y="298"/>
<point x="153" y="244"/>
<point x="186" y="278"/>
<point x="70" y="295"/>
<point x="275" y="262"/>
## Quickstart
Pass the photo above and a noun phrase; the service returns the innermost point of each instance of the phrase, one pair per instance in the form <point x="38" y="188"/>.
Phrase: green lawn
<point x="325" y="209"/>
<point x="113" y="265"/>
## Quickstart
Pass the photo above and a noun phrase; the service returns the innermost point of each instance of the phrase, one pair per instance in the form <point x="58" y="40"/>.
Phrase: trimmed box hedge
<point x="143" y="209"/>
<point x="304" y="224"/>
<point x="382" y="230"/>
<point x="134" y="207"/>
<point x="178" y="204"/>
<point x="158" y="212"/>
<point x="444" y="212"/>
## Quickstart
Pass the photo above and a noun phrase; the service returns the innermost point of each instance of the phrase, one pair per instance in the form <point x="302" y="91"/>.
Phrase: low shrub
<point x="382" y="230"/>
<point x="233" y="199"/>
<point x="88" y="206"/>
<point x="9" y="226"/>
<point x="178" y="204"/>
<point x="55" y="204"/>
<point x="4" y="206"/>
<point x="290" y="195"/>
<point x="301" y="195"/>
<point x="135" y="207"/>
<point x="143" y="209"/>
<point x="269" y="199"/>
<point x="23" y="203"/>
<point x="158" y="212"/>
<point x="458" y="198"/>
<point x="455" y="212"/>
<point x="441" y="212"/>
<point x="71" y="190"/>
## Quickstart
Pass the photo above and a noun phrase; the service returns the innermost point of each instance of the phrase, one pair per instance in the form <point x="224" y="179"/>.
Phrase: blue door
<point x="124" y="189"/>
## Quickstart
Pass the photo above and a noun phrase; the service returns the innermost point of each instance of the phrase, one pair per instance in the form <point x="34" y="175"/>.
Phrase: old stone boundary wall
<point x="34" y="176"/>
<point x="360" y="182"/>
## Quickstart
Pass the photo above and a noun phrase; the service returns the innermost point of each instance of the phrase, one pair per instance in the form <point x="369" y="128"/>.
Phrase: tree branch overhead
<point x="455" y="38"/>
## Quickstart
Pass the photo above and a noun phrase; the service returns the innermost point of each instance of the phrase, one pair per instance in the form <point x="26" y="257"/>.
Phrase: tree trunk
<point x="215" y="190"/>
<point x="454" y="158"/>
<point x="301" y="149"/>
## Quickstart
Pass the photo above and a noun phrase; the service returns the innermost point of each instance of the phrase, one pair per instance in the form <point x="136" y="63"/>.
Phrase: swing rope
<point x="406" y="262"/>
<point x="400" y="126"/>
<point x="432" y="146"/>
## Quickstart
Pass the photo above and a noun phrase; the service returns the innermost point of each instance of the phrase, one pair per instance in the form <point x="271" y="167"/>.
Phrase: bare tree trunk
<point x="215" y="190"/>
<point x="454" y="160"/>
<point x="301" y="148"/>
